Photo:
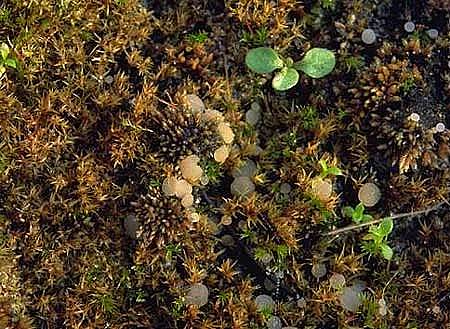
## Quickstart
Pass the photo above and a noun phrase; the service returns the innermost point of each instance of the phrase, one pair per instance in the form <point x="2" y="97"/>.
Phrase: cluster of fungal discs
<point x="369" y="194"/>
<point x="242" y="184"/>
<point x="191" y="172"/>
<point x="189" y="129"/>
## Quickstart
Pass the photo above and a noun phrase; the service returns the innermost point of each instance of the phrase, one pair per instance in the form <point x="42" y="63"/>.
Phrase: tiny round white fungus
<point x="255" y="107"/>
<point x="187" y="200"/>
<point x="264" y="302"/>
<point x="337" y="281"/>
<point x="225" y="132"/>
<point x="433" y="33"/>
<point x="349" y="299"/>
<point x="369" y="194"/>
<point x="131" y="226"/>
<point x="274" y="323"/>
<point x="197" y="295"/>
<point x="440" y="127"/>
<point x="242" y="186"/>
<point x="189" y="168"/>
<point x="252" y="117"/>
<point x="368" y="36"/>
<point x="414" y="117"/>
<point x="195" y="103"/>
<point x="221" y="154"/>
<point x="246" y="169"/>
<point x="322" y="189"/>
<point x="109" y="79"/>
<point x="285" y="188"/>
<point x="318" y="270"/>
<point x="409" y="26"/>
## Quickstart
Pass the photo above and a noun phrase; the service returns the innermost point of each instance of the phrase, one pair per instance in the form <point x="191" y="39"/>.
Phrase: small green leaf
<point x="263" y="60"/>
<point x="285" y="79"/>
<point x="386" y="227"/>
<point x="386" y="251"/>
<point x="2" y="70"/>
<point x="11" y="62"/>
<point x="358" y="214"/>
<point x="323" y="165"/>
<point x="366" y="218"/>
<point x="317" y="63"/>
<point x="334" y="171"/>
<point x="4" y="51"/>
<point x="348" y="211"/>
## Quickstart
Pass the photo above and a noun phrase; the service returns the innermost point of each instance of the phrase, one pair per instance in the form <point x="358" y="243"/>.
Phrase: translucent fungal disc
<point x="368" y="36"/>
<point x="221" y="154"/>
<point x="433" y="33"/>
<point x="195" y="103"/>
<point x="242" y="186"/>
<point x="225" y="132"/>
<point x="440" y="127"/>
<point x="369" y="194"/>
<point x="409" y="26"/>
<point x="264" y="302"/>
<point x="197" y="295"/>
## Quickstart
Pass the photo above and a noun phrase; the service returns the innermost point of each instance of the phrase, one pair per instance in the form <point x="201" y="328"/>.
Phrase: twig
<point x="378" y="220"/>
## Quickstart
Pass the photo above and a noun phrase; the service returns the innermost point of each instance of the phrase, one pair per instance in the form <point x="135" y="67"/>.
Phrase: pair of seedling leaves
<point x="317" y="63"/>
<point x="375" y="239"/>
<point x="5" y="59"/>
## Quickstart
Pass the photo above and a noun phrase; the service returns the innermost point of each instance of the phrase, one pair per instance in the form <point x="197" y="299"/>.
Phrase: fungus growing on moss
<point x="440" y="127"/>
<point x="337" y="281"/>
<point x="368" y="36"/>
<point x="195" y="103"/>
<point x="274" y="323"/>
<point x="264" y="302"/>
<point x="221" y="154"/>
<point x="252" y="117"/>
<point x="246" y="169"/>
<point x="322" y="189"/>
<point x="318" y="270"/>
<point x="242" y="186"/>
<point x="369" y="194"/>
<point x="432" y="33"/>
<point x="197" y="295"/>
<point x="190" y="170"/>
<point x="409" y="26"/>
<point x="225" y="132"/>
<point x="414" y="117"/>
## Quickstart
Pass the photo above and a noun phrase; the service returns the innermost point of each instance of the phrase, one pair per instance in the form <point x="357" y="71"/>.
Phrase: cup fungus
<point x="369" y="194"/>
<point x="197" y="295"/>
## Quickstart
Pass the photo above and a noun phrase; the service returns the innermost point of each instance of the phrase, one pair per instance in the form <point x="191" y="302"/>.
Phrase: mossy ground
<point x="95" y="118"/>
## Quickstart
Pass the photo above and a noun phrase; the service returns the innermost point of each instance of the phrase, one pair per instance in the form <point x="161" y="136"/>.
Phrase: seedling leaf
<point x="4" y="51"/>
<point x="285" y="79"/>
<point x="386" y="227"/>
<point x="11" y="63"/>
<point x="263" y="60"/>
<point x="358" y="213"/>
<point x="334" y="171"/>
<point x="386" y="251"/>
<point x="317" y="63"/>
<point x="348" y="211"/>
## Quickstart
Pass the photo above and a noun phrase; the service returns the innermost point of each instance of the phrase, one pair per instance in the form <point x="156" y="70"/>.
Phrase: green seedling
<point x="357" y="214"/>
<point x="375" y="241"/>
<point x="199" y="37"/>
<point x="328" y="171"/>
<point x="317" y="63"/>
<point x="6" y="60"/>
